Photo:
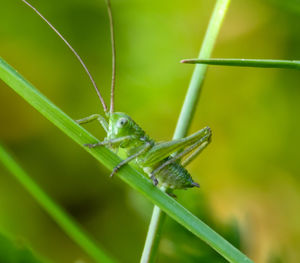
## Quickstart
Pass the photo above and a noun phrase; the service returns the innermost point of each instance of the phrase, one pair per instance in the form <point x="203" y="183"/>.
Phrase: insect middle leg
<point x="108" y="142"/>
<point x="144" y="149"/>
<point x="130" y="158"/>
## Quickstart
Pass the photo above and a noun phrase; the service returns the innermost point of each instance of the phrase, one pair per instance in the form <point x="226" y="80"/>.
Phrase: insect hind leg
<point x="201" y="143"/>
<point x="190" y="158"/>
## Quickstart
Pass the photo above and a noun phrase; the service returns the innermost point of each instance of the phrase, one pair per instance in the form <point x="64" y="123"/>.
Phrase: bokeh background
<point x="249" y="175"/>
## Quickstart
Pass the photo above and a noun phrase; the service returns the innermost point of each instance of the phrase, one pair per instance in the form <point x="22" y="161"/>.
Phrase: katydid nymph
<point x="160" y="161"/>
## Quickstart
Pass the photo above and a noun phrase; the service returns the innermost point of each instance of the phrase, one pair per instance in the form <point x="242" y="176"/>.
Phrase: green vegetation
<point x="249" y="176"/>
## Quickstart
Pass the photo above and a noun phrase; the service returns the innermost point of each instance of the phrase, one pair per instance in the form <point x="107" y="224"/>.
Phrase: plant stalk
<point x="185" y="119"/>
<point x="196" y="83"/>
<point x="153" y="235"/>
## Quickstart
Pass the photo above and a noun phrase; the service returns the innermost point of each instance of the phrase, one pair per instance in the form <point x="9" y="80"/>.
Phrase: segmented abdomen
<point x="175" y="176"/>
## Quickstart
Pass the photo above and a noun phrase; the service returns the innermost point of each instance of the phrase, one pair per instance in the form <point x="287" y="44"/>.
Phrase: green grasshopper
<point x="160" y="161"/>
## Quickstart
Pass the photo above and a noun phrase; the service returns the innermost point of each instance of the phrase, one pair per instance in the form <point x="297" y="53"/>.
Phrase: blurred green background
<point x="249" y="175"/>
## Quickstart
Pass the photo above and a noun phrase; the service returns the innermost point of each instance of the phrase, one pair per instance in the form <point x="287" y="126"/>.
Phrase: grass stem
<point x="153" y="236"/>
<point x="196" y="83"/>
<point x="185" y="118"/>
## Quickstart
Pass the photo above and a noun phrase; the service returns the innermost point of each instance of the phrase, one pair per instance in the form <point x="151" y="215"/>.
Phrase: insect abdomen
<point x="175" y="176"/>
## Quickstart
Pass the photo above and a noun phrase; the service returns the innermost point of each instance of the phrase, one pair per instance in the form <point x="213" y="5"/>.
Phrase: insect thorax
<point x="122" y="126"/>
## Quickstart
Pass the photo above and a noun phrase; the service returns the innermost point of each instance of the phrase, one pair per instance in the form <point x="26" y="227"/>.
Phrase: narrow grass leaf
<point x="241" y="62"/>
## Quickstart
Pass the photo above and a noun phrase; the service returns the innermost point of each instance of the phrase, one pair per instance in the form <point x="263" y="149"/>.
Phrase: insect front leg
<point x="108" y="142"/>
<point x="93" y="117"/>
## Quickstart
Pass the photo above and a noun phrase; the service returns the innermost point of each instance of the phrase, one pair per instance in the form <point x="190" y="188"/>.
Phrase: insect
<point x="162" y="161"/>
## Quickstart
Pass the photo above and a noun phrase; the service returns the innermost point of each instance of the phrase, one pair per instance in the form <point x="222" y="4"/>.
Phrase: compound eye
<point x="122" y="122"/>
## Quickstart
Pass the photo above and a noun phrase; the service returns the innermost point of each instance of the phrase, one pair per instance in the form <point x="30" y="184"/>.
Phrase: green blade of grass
<point x="185" y="118"/>
<point x="110" y="160"/>
<point x="241" y="62"/>
<point x="58" y="215"/>
<point x="151" y="245"/>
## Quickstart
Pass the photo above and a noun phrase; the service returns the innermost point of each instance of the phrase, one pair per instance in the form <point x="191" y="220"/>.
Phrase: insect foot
<point x="92" y="145"/>
<point x="195" y="184"/>
<point x="154" y="180"/>
<point x="171" y="194"/>
<point x="115" y="170"/>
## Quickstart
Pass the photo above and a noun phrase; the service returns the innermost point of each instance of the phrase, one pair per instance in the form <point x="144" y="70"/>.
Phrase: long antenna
<point x="113" y="49"/>
<point x="74" y="52"/>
